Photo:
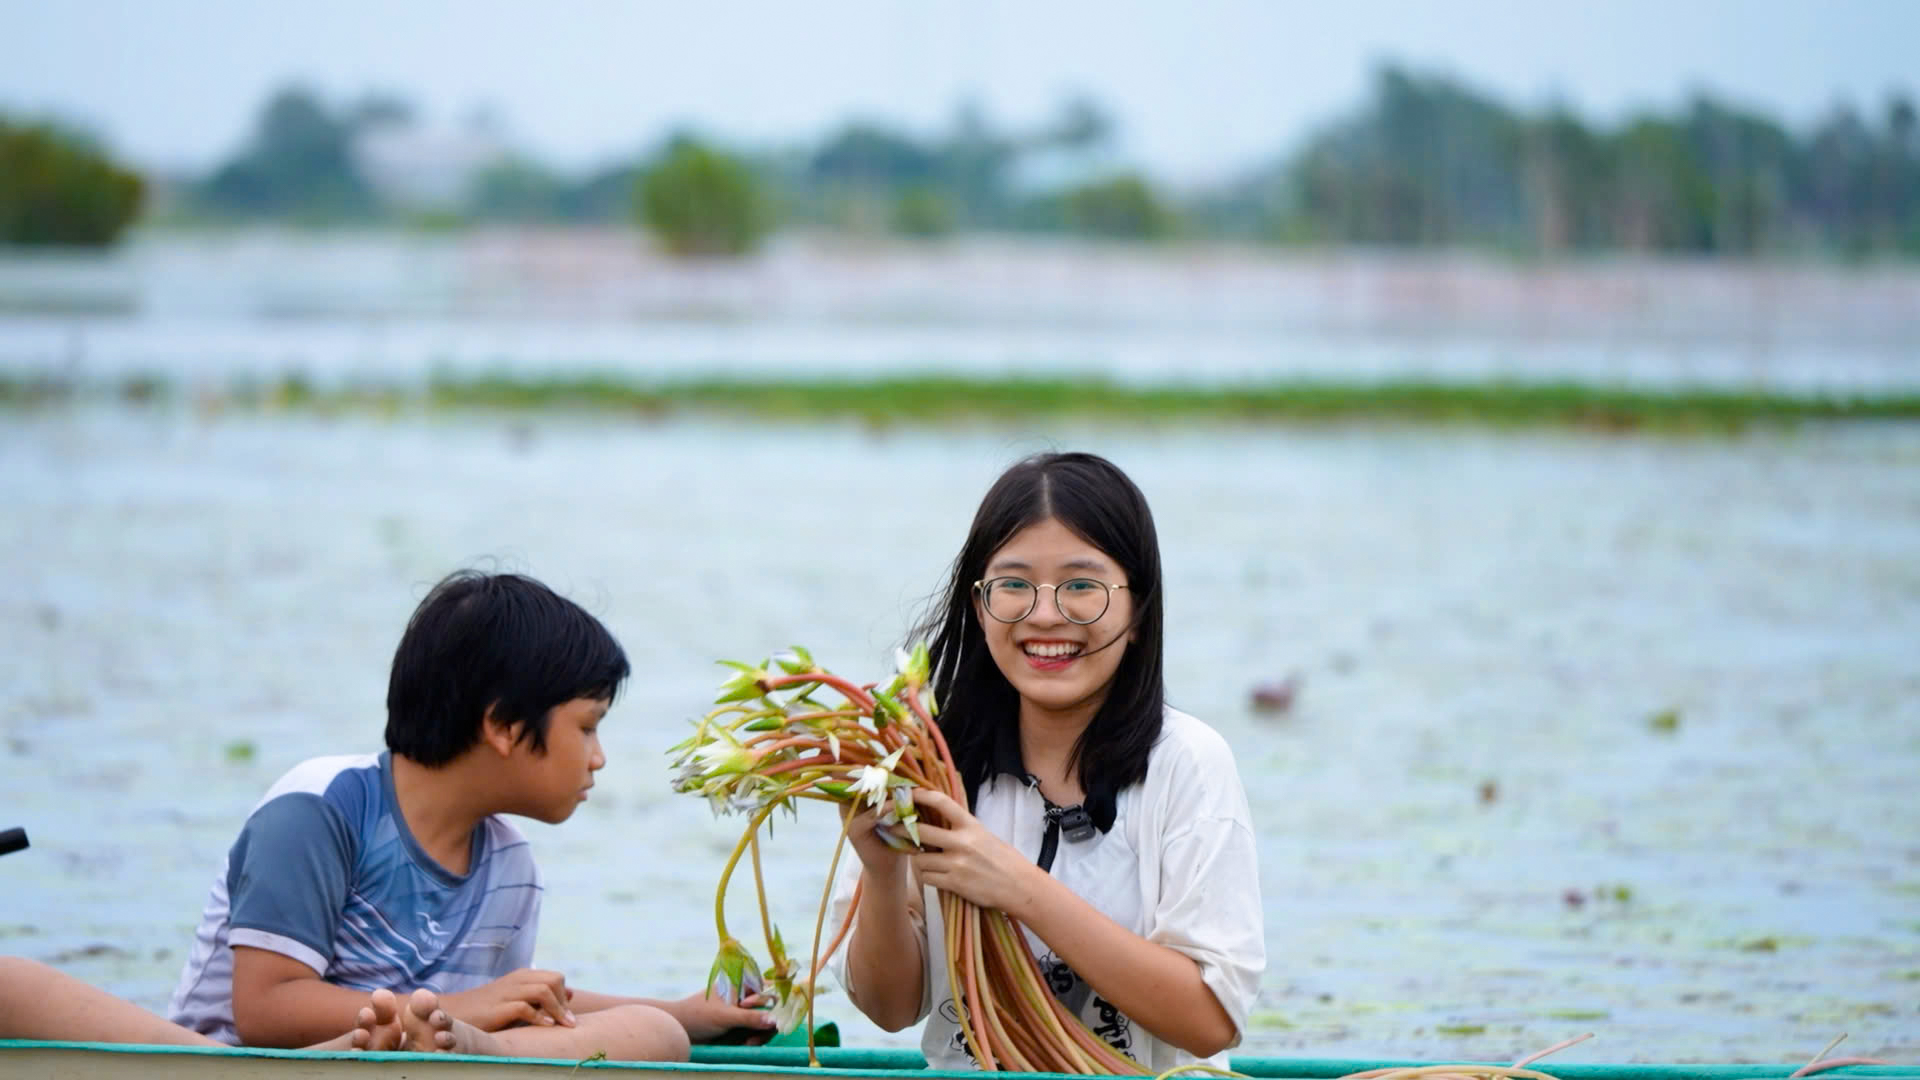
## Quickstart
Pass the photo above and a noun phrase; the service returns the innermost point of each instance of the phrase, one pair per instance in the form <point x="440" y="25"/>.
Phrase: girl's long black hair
<point x="979" y="708"/>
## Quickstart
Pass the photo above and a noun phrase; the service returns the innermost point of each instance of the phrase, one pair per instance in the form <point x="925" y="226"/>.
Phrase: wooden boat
<point x="109" y="1061"/>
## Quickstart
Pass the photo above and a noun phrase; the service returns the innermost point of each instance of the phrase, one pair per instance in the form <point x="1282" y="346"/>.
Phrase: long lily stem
<point x="775" y="954"/>
<point x="813" y="966"/>
<point x="733" y="860"/>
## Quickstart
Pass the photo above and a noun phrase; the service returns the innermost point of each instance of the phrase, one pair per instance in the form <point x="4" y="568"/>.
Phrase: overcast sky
<point x="1200" y="88"/>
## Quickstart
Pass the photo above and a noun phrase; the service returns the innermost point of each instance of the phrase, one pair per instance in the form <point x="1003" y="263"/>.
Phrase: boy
<point x="396" y="871"/>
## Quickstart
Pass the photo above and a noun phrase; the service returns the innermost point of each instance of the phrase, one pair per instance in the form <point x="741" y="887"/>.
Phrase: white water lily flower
<point x="689" y="776"/>
<point x="731" y="792"/>
<point x="902" y="660"/>
<point x="723" y="757"/>
<point x="833" y="743"/>
<point x="791" y="1010"/>
<point x="873" y="779"/>
<point x="907" y="812"/>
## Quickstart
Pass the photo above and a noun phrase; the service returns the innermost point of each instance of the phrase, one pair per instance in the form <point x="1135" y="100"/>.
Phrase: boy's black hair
<point x="498" y="640"/>
<point x="979" y="707"/>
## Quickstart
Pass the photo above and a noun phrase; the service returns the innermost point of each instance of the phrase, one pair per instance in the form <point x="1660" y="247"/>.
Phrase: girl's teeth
<point x="1050" y="652"/>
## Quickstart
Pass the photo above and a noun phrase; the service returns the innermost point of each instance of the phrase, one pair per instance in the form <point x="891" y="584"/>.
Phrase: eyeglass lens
<point x="1010" y="599"/>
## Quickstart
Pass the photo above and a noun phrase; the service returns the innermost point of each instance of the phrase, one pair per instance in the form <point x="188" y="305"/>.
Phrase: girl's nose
<point x="1046" y="606"/>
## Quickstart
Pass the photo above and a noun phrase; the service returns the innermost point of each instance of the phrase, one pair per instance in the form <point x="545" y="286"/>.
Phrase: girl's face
<point x="1057" y="665"/>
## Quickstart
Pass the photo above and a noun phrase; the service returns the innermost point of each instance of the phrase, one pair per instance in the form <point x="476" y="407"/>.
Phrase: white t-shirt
<point x="1178" y="868"/>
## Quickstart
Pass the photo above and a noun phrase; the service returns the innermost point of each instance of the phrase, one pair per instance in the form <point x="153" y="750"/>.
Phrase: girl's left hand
<point x="970" y="861"/>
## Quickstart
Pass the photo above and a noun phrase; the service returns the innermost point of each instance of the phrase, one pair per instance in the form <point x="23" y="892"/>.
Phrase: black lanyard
<point x="1072" y="820"/>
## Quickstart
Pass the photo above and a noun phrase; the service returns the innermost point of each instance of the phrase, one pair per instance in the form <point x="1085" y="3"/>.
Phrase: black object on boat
<point x="12" y="840"/>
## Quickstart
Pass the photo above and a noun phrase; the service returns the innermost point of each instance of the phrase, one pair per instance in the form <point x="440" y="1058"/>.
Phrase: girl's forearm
<point x="1155" y="986"/>
<point x="886" y="953"/>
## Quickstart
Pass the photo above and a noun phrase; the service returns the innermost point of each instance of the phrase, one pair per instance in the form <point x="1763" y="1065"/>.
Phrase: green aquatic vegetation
<point x="240" y="751"/>
<point x="1666" y="721"/>
<point x="1461" y="1029"/>
<point x="1272" y="1021"/>
<point x="885" y="401"/>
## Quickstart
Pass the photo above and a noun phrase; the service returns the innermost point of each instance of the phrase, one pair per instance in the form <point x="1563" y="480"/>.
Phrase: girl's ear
<point x="497" y="734"/>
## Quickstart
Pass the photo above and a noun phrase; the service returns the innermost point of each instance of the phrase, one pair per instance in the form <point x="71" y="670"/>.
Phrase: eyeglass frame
<point x="980" y="587"/>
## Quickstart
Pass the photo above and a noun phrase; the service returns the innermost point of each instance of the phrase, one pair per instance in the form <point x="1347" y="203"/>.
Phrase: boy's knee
<point x="647" y="1033"/>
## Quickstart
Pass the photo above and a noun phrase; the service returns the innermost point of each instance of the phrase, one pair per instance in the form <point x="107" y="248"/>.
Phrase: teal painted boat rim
<point x="893" y="1062"/>
<point x="855" y="1062"/>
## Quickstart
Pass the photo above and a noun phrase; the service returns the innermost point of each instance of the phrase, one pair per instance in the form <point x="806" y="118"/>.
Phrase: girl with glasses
<point x="1112" y="827"/>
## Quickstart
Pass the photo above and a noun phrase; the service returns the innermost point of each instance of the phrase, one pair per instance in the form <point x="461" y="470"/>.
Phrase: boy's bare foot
<point x="379" y="1026"/>
<point x="430" y="1030"/>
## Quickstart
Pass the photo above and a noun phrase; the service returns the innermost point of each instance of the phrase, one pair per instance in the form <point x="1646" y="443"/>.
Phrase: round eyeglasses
<point x="1081" y="600"/>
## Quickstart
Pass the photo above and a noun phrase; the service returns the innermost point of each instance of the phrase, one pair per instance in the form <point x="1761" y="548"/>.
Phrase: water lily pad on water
<point x="1461" y="1029"/>
<point x="1270" y="1020"/>
<point x="1578" y="1014"/>
<point x="240" y="751"/>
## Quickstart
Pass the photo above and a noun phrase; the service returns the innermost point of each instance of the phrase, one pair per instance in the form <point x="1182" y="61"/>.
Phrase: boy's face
<point x="557" y="781"/>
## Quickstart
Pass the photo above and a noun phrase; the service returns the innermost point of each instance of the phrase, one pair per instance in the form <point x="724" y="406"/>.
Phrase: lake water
<point x="207" y="307"/>
<point x="1474" y="840"/>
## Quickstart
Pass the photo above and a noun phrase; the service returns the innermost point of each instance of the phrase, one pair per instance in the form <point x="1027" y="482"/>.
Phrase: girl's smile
<point x="1047" y="655"/>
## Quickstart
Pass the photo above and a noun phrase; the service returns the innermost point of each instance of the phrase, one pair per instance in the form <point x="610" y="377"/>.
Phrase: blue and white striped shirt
<point x="326" y="872"/>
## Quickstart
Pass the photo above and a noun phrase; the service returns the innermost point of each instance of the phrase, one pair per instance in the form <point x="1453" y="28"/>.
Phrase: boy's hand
<point x="527" y="996"/>
<point x="708" y="1018"/>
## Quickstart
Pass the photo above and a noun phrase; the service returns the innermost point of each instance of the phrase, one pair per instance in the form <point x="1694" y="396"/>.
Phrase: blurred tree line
<point x="58" y="187"/>
<point x="1430" y="162"/>
<point x="1426" y="161"/>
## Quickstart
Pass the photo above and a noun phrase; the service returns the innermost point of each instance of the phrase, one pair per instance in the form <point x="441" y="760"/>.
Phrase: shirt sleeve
<point x="287" y="879"/>
<point x="1209" y="907"/>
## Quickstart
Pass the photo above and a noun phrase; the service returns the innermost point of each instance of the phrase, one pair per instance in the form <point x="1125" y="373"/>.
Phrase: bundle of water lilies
<point x="789" y="730"/>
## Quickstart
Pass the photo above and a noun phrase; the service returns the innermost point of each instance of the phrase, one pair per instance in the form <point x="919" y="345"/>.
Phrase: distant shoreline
<point x="943" y="399"/>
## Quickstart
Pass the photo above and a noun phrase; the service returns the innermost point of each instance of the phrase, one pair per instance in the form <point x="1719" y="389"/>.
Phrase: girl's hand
<point x="965" y="859"/>
<point x="876" y="857"/>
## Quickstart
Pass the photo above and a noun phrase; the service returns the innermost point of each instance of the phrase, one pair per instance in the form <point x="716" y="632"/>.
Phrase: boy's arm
<point x="279" y="1001"/>
<point x="705" y="1018"/>
<point x="287" y="882"/>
